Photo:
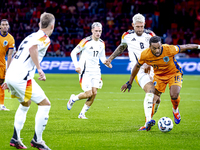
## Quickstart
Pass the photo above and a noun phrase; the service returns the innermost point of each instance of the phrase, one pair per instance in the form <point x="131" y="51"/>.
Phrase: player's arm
<point x="188" y="46"/>
<point x="133" y="74"/>
<point x="34" y="56"/>
<point x="73" y="55"/>
<point x="9" y="57"/>
<point x="119" y="50"/>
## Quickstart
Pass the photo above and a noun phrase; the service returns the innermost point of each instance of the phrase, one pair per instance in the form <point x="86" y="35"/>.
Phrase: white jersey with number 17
<point x="22" y="66"/>
<point x="90" y="53"/>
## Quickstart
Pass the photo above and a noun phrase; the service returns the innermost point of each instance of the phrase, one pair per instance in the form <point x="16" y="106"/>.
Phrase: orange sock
<point x="176" y="102"/>
<point x="1" y="96"/>
<point x="152" y="110"/>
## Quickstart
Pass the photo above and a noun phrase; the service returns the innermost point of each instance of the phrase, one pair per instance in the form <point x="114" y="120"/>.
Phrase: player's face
<point x="96" y="33"/>
<point x="156" y="48"/>
<point x="4" y="26"/>
<point x="138" y="28"/>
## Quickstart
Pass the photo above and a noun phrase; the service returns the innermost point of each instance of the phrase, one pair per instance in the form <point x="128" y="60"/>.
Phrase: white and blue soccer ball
<point x="165" y="124"/>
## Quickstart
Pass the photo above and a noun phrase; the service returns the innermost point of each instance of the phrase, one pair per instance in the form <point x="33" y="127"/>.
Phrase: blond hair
<point x="96" y="24"/>
<point x="138" y="18"/>
<point x="46" y="19"/>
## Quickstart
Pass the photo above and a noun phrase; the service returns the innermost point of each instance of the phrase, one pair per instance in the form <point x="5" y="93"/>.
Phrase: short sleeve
<point x="123" y="40"/>
<point x="12" y="43"/>
<point x="174" y="49"/>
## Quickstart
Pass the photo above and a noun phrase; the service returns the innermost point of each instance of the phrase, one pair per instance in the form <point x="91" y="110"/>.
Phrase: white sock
<point x="20" y="118"/>
<point x="175" y="110"/>
<point x="41" y="119"/>
<point x="75" y="98"/>
<point x="84" y="109"/>
<point x="148" y="103"/>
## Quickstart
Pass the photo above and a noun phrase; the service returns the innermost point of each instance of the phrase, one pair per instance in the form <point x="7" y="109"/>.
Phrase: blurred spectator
<point x="73" y="20"/>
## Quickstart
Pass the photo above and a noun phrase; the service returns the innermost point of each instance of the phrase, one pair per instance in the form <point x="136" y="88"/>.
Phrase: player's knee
<point x="174" y="96"/>
<point x="89" y="93"/>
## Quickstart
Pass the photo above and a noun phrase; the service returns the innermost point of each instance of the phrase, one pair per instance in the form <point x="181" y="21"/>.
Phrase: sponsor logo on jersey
<point x="133" y="39"/>
<point x="91" y="47"/>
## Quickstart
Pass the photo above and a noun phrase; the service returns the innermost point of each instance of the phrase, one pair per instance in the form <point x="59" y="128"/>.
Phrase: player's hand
<point x="147" y="68"/>
<point x="108" y="63"/>
<point x="42" y="75"/>
<point x="4" y="86"/>
<point x="78" y="70"/>
<point x="126" y="86"/>
<point x="123" y="88"/>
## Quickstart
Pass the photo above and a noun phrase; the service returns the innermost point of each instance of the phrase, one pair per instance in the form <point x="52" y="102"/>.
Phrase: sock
<point x="20" y="118"/>
<point x="41" y="119"/>
<point x="175" y="103"/>
<point x="2" y="96"/>
<point x="148" y="103"/>
<point x="75" y="98"/>
<point x="84" y="109"/>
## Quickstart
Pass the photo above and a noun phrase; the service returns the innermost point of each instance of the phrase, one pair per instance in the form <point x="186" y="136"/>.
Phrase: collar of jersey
<point x="4" y="35"/>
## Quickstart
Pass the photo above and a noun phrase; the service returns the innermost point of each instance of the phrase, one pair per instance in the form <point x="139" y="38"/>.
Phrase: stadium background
<point x="176" y="21"/>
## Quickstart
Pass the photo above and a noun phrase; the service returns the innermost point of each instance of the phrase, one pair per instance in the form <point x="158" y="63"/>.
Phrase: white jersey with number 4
<point x="90" y="53"/>
<point x="22" y="66"/>
<point x="136" y="44"/>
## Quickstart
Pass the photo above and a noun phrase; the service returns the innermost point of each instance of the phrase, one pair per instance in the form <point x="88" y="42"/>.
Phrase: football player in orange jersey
<point x="166" y="70"/>
<point x="136" y="41"/>
<point x="7" y="43"/>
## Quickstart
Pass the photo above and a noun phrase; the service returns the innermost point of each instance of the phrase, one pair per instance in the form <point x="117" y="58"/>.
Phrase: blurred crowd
<point x="176" y="21"/>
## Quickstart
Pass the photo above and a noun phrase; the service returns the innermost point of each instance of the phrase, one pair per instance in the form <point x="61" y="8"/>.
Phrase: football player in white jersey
<point x="136" y="41"/>
<point x="91" y="49"/>
<point x="19" y="80"/>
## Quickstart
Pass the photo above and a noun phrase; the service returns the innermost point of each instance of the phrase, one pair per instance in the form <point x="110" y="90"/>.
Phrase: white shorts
<point x="143" y="78"/>
<point x="88" y="80"/>
<point x="26" y="90"/>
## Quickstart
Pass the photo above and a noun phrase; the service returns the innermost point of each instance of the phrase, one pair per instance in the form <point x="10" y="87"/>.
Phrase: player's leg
<point x="145" y="82"/>
<point x="18" y="91"/>
<point x="85" y="83"/>
<point x="88" y="103"/>
<point x="156" y="102"/>
<point x="148" y="104"/>
<point x="2" y="95"/>
<point x="175" y="85"/>
<point x="175" y="99"/>
<point x="42" y="115"/>
<point x="20" y="118"/>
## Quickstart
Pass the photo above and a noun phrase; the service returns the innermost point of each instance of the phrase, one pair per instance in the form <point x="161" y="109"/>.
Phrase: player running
<point x="91" y="49"/>
<point x="166" y="70"/>
<point x="137" y="40"/>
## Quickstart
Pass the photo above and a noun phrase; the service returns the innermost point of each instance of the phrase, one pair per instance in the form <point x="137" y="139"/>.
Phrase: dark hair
<point x="3" y="20"/>
<point x="154" y="39"/>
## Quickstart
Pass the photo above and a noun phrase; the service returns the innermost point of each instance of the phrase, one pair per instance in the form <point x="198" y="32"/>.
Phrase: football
<point x="165" y="124"/>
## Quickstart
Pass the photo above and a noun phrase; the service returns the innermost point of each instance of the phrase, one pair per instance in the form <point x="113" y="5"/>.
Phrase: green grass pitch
<point x="114" y="117"/>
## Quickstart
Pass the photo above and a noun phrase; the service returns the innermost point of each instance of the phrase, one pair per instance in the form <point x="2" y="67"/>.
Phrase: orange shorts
<point x="161" y="84"/>
<point x="2" y="72"/>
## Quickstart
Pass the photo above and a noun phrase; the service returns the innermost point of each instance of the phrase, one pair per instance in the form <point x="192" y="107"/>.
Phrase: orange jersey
<point x="6" y="42"/>
<point x="165" y="65"/>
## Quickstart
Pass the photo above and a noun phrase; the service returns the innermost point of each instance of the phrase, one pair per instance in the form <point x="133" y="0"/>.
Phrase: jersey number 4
<point x="20" y="50"/>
